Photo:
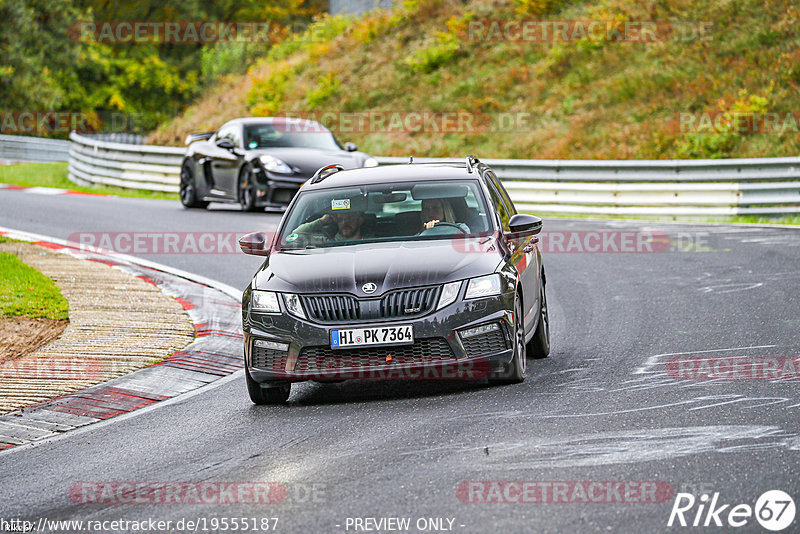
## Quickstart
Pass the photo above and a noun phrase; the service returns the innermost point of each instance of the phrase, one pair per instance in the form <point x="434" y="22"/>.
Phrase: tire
<point x="246" y="188"/>
<point x="277" y="394"/>
<point x="188" y="187"/>
<point x="539" y="345"/>
<point x="515" y="371"/>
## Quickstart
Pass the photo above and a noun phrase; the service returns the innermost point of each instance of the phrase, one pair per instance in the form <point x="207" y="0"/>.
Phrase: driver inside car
<point x="439" y="210"/>
<point x="349" y="226"/>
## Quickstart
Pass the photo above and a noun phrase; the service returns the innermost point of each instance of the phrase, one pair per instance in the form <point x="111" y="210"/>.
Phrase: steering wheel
<point x="442" y="227"/>
<point x="445" y="223"/>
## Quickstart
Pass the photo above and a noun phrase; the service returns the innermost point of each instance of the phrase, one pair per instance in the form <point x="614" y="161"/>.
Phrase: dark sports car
<point x="260" y="162"/>
<point x="402" y="271"/>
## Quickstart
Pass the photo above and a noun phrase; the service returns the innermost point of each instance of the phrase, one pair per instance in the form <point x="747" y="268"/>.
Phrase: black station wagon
<point x="399" y="272"/>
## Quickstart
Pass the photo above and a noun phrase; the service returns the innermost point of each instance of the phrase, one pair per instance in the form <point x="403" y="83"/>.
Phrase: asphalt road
<point x="600" y="408"/>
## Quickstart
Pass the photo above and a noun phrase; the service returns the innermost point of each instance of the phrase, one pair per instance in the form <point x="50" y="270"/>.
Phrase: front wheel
<point x="188" y="187"/>
<point x="247" y="189"/>
<point x="539" y="346"/>
<point x="514" y="371"/>
<point x="277" y="394"/>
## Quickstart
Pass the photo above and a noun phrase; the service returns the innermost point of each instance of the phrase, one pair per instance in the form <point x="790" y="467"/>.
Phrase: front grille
<point x="397" y="304"/>
<point x="332" y="308"/>
<point x="423" y="351"/>
<point x="488" y="343"/>
<point x="408" y="302"/>
<point x="274" y="360"/>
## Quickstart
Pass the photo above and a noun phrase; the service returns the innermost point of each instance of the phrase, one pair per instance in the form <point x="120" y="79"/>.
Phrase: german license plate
<point x="381" y="335"/>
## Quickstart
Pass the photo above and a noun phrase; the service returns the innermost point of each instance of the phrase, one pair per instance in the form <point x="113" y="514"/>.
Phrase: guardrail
<point x="132" y="166"/>
<point x="22" y="148"/>
<point x="720" y="187"/>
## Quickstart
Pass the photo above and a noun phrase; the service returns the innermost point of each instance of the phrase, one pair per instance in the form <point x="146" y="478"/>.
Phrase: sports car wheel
<point x="188" y="188"/>
<point x="514" y="371"/>
<point x="247" y="188"/>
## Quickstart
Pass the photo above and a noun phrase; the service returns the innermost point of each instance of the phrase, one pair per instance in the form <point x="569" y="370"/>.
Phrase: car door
<point x="524" y="255"/>
<point x="225" y="163"/>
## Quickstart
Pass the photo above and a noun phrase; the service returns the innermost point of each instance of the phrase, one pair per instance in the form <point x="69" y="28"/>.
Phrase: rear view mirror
<point x="225" y="143"/>
<point x="388" y="198"/>
<point x="350" y="147"/>
<point x="523" y="224"/>
<point x="254" y="244"/>
<point x="429" y="191"/>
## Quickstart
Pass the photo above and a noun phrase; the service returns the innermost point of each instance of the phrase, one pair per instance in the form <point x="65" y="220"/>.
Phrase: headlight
<point x="449" y="294"/>
<point x="483" y="286"/>
<point x="293" y="305"/>
<point x="273" y="164"/>
<point x="264" y="301"/>
<point x="370" y="162"/>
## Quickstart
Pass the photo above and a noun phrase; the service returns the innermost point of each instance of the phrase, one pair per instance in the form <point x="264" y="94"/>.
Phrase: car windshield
<point x="407" y="211"/>
<point x="288" y="135"/>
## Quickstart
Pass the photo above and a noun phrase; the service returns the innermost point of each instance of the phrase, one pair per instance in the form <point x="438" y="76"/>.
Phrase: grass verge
<point x="24" y="291"/>
<point x="55" y="175"/>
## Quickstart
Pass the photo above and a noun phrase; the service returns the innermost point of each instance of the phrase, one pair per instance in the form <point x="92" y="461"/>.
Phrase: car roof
<point x="269" y="120"/>
<point x="409" y="172"/>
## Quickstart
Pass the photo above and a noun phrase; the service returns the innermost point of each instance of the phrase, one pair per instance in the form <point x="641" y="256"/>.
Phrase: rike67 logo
<point x="774" y="510"/>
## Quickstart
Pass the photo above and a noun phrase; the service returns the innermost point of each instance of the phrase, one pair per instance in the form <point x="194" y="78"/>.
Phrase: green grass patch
<point x="27" y="292"/>
<point x="55" y="175"/>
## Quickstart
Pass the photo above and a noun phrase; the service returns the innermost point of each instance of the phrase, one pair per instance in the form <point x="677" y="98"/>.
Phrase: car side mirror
<point x="350" y="147"/>
<point x="523" y="225"/>
<point x="226" y="143"/>
<point x="254" y="244"/>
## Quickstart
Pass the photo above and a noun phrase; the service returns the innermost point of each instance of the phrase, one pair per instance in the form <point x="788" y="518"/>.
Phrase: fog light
<point x="264" y="344"/>
<point x="478" y="330"/>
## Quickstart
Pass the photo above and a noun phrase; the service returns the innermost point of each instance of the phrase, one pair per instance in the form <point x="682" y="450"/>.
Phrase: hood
<point x="309" y="160"/>
<point x="387" y="265"/>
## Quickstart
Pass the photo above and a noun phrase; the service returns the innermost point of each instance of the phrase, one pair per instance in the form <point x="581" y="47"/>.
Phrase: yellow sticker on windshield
<point x="343" y="204"/>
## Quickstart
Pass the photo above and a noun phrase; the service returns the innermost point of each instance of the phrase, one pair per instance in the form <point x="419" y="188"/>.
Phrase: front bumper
<point x="438" y="352"/>
<point x="274" y="191"/>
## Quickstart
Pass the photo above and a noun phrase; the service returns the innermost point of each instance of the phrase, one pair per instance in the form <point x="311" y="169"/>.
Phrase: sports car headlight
<point x="370" y="162"/>
<point x="264" y="301"/>
<point x="293" y="305"/>
<point x="449" y="294"/>
<point x="483" y="286"/>
<point x="273" y="164"/>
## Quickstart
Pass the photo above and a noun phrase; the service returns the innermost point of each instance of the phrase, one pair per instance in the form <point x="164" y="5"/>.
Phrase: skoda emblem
<point x="368" y="288"/>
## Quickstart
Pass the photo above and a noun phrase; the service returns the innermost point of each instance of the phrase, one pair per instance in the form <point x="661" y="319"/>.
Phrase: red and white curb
<point x="216" y="352"/>
<point x="49" y="191"/>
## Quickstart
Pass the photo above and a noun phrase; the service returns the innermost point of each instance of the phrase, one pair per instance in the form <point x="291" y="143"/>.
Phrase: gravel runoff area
<point x="117" y="323"/>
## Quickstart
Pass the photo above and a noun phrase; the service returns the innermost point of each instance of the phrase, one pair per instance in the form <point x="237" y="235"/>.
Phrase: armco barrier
<point x="153" y="168"/>
<point x="719" y="187"/>
<point x="22" y="148"/>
